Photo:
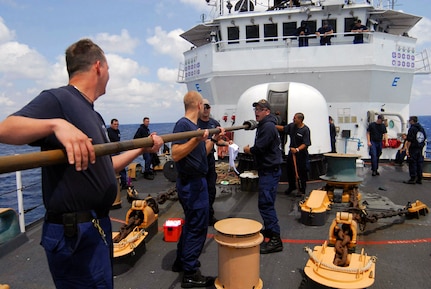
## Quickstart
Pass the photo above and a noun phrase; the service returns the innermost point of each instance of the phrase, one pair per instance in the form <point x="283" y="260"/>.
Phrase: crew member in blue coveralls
<point x="268" y="156"/>
<point x="77" y="234"/>
<point x="376" y="132"/>
<point x="207" y="122"/>
<point x="115" y="135"/>
<point x="190" y="156"/>
<point x="415" y="143"/>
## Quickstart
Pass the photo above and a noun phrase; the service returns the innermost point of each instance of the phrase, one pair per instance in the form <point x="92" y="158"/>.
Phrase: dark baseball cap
<point x="262" y="103"/>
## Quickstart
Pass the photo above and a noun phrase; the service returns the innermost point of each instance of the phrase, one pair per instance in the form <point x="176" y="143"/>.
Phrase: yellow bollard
<point x="239" y="253"/>
<point x="134" y="169"/>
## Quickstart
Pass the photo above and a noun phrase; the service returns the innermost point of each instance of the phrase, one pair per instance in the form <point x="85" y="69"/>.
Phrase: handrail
<point x="300" y="36"/>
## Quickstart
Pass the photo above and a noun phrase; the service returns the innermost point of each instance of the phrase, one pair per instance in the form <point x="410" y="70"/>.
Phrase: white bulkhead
<point x="287" y="98"/>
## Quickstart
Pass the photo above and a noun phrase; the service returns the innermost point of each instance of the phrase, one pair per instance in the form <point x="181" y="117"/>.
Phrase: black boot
<point x="412" y="181"/>
<point x="196" y="280"/>
<point x="419" y="181"/>
<point x="273" y="245"/>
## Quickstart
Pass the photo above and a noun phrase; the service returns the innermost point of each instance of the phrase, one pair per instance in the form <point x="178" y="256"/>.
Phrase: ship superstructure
<point x="253" y="42"/>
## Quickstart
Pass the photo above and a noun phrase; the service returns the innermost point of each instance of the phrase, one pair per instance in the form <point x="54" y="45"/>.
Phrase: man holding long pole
<point x="267" y="153"/>
<point x="77" y="234"/>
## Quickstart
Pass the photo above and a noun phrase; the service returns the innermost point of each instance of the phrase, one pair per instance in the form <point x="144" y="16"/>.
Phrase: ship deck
<point x="401" y="245"/>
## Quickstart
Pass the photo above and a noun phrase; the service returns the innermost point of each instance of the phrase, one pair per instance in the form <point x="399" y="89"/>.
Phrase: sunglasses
<point x="207" y="106"/>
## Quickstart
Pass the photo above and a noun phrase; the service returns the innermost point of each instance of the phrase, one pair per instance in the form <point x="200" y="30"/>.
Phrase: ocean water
<point x="31" y="184"/>
<point x="31" y="179"/>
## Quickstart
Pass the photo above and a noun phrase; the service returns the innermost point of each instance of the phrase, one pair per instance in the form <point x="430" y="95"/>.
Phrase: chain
<point x="99" y="228"/>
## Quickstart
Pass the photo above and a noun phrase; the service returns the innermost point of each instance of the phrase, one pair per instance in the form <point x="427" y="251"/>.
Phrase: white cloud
<point x="420" y="101"/>
<point x="122" y="43"/>
<point x="167" y="75"/>
<point x="129" y="96"/>
<point x="5" y="33"/>
<point x="123" y="69"/>
<point x="161" y="102"/>
<point x="169" y="43"/>
<point x="55" y="76"/>
<point x="18" y="60"/>
<point x="5" y="101"/>
<point x="422" y="32"/>
<point x="198" y="4"/>
<point x="420" y="96"/>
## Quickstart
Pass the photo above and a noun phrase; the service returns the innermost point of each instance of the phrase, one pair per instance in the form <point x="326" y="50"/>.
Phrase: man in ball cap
<point x="205" y="121"/>
<point x="267" y="153"/>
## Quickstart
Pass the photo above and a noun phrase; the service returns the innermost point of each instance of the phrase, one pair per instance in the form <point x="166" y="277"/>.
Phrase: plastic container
<point x="172" y="229"/>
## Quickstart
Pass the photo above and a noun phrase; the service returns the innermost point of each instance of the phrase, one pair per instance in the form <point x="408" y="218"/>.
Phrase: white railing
<point x="266" y="42"/>
<point x="20" y="199"/>
<point x="422" y="63"/>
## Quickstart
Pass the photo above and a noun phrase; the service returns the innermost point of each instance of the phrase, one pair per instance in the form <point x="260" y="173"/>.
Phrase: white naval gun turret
<point x="286" y="99"/>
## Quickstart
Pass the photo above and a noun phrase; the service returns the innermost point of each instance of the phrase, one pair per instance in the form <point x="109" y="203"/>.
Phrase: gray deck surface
<point x="401" y="245"/>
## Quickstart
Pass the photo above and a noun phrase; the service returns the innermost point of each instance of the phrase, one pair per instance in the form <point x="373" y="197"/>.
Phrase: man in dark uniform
<point x="332" y="134"/>
<point x="325" y="32"/>
<point x="115" y="135"/>
<point x="376" y="132"/>
<point x="359" y="29"/>
<point x="415" y="143"/>
<point x="77" y="234"/>
<point x="205" y="121"/>
<point x="300" y="140"/>
<point x="268" y="155"/>
<point x="144" y="131"/>
<point x="303" y="31"/>
<point x="190" y="156"/>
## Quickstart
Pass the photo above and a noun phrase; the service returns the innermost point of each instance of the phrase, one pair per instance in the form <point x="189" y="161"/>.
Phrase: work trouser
<point x="268" y="184"/>
<point x="375" y="153"/>
<point x="147" y="158"/>
<point x="82" y="261"/>
<point x="416" y="161"/>
<point x="193" y="196"/>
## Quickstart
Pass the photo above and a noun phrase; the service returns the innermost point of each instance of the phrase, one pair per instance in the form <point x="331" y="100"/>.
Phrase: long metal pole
<point x="53" y="157"/>
<point x="20" y="201"/>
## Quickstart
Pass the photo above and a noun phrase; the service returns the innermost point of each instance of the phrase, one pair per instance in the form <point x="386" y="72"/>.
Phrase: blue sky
<point x="143" y="47"/>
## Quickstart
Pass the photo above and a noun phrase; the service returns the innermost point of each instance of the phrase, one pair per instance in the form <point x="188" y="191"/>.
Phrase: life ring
<point x="393" y="143"/>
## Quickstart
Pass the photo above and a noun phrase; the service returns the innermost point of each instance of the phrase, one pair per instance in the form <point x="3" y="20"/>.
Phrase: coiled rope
<point x="129" y="241"/>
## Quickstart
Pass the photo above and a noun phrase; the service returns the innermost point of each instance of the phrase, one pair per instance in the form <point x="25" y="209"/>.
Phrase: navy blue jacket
<point x="416" y="136"/>
<point x="267" y="144"/>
